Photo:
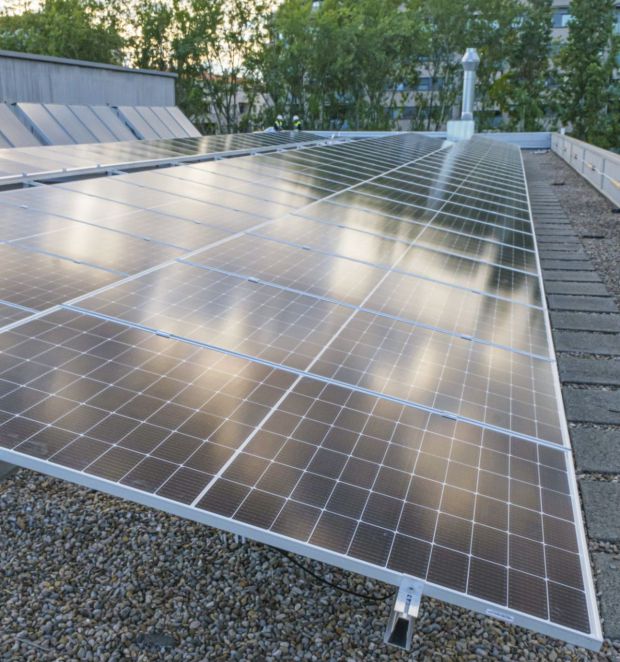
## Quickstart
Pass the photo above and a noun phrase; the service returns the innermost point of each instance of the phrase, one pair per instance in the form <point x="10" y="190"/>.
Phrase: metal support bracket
<point x="399" y="630"/>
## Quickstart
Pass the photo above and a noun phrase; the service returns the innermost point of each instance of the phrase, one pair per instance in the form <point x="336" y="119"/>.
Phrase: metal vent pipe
<point x="470" y="63"/>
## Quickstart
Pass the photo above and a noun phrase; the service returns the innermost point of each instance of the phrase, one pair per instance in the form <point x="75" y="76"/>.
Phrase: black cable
<point x="365" y="596"/>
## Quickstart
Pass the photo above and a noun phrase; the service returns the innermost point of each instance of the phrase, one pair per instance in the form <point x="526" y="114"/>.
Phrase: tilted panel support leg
<point x="399" y="630"/>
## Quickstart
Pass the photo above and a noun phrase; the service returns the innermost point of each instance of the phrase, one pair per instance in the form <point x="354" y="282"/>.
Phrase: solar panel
<point x="14" y="133"/>
<point x="15" y="164"/>
<point x="138" y="124"/>
<point x="44" y="124"/>
<point x="40" y="281"/>
<point x="89" y="119"/>
<point x="112" y="121"/>
<point x="173" y="125"/>
<point x="182" y="121"/>
<point x="161" y="128"/>
<point x="10" y="313"/>
<point x="362" y="374"/>
<point x="70" y="123"/>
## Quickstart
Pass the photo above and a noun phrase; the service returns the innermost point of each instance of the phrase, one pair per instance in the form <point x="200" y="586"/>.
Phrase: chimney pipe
<point x="470" y="63"/>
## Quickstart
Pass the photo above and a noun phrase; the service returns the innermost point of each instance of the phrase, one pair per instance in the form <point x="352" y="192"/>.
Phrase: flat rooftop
<point x="111" y="595"/>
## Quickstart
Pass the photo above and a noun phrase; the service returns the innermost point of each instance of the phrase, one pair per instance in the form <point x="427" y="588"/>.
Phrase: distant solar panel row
<point x="33" y="162"/>
<point x="60" y="124"/>
<point x="341" y="350"/>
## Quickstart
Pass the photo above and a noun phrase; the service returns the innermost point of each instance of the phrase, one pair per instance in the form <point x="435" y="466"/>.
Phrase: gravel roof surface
<point x="90" y="577"/>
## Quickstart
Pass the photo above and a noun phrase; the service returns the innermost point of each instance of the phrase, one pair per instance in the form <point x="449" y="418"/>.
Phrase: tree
<point x="444" y="41"/>
<point x="588" y="94"/>
<point x="237" y="29"/>
<point x="337" y="62"/>
<point x="522" y="92"/>
<point x="493" y="30"/>
<point x="80" y="29"/>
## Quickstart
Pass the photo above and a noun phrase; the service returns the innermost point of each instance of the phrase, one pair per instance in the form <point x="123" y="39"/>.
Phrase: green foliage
<point x="522" y="92"/>
<point x="346" y="63"/>
<point x="338" y="62"/>
<point x="207" y="43"/>
<point x="588" y="93"/>
<point x="81" y="29"/>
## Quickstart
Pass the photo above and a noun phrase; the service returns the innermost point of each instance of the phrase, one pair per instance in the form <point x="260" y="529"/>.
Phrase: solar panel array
<point x="60" y="124"/>
<point x="34" y="162"/>
<point x="341" y="350"/>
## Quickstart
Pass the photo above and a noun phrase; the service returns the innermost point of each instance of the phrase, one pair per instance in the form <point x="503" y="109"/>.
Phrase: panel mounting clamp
<point x="399" y="630"/>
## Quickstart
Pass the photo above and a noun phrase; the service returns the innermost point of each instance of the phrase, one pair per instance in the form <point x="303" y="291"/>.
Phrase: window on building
<point x="424" y="84"/>
<point x="561" y="17"/>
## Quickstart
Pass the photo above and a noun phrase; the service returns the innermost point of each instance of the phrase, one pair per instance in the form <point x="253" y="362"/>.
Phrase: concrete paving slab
<point x="603" y="372"/>
<point x="601" y="503"/>
<point x="583" y="342"/>
<point x="564" y="287"/>
<point x="574" y="276"/>
<point x="592" y="406"/>
<point x="563" y="265"/>
<point x="574" y="303"/>
<point x="596" y="449"/>
<point x="606" y="322"/>
<point x="554" y="230"/>
<point x="571" y="256"/>
<point x="548" y="244"/>
<point x="607" y="568"/>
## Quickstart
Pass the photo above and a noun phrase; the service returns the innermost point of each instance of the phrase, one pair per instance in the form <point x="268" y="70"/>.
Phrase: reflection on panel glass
<point x="38" y="281"/>
<point x="450" y="374"/>
<point x="292" y="267"/>
<point x="265" y="322"/>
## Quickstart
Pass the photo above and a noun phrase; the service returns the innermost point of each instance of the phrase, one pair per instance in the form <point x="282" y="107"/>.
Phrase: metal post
<point x="470" y="63"/>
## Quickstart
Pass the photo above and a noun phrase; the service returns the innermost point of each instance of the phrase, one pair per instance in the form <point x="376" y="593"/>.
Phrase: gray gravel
<point x="89" y="577"/>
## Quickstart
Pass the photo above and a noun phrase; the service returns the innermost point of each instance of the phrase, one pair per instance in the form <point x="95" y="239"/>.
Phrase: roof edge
<point x="15" y="55"/>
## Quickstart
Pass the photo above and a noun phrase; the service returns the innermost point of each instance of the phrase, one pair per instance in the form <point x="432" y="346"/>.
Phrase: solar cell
<point x="368" y="383"/>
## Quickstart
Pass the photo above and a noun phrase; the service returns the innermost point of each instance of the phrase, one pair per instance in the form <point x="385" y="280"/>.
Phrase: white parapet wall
<point x="599" y="166"/>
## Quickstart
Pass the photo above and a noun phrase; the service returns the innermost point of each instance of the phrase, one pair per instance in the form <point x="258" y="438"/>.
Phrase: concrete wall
<point x="42" y="79"/>
<point x="599" y="166"/>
